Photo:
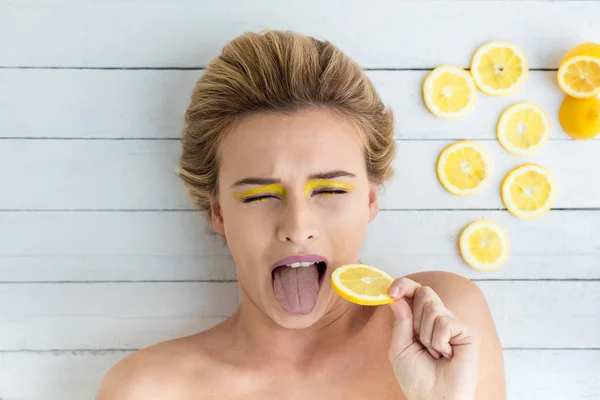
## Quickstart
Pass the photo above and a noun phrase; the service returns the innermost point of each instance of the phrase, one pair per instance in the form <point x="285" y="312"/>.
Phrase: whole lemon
<point x="580" y="118"/>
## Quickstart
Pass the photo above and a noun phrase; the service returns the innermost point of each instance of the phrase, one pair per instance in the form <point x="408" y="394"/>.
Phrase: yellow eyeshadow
<point x="261" y="190"/>
<point x="325" y="183"/>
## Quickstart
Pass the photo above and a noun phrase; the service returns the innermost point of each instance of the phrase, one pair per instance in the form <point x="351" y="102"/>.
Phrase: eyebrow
<point x="267" y="181"/>
<point x="255" y="181"/>
<point x="331" y="175"/>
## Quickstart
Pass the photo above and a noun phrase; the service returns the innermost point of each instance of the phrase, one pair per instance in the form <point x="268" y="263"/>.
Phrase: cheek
<point x="243" y="231"/>
<point x="345" y="216"/>
<point x="346" y="234"/>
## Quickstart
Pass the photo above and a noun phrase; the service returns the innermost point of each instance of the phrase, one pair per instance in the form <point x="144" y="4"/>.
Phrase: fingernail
<point x="446" y="356"/>
<point x="394" y="291"/>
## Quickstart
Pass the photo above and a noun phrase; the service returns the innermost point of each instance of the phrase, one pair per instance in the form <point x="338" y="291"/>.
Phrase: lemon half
<point x="580" y="118"/>
<point x="579" y="71"/>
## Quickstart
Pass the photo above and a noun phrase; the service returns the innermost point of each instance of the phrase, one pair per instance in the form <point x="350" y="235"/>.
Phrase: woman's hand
<point x="433" y="354"/>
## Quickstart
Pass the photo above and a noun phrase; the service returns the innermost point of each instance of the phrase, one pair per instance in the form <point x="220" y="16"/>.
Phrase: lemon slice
<point x="449" y="92"/>
<point x="523" y="129"/>
<point x="464" y="168"/>
<point x="499" y="68"/>
<point x="579" y="71"/>
<point x="362" y="284"/>
<point x="484" y="245"/>
<point x="528" y="191"/>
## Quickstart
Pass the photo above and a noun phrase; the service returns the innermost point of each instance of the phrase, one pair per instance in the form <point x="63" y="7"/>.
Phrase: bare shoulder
<point x="171" y="369"/>
<point x="466" y="300"/>
<point x="459" y="294"/>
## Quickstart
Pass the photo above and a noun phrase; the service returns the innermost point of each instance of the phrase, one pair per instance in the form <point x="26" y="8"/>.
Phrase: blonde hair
<point x="278" y="71"/>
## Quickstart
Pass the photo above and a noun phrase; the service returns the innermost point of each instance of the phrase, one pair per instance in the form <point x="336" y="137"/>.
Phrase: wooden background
<point x="101" y="254"/>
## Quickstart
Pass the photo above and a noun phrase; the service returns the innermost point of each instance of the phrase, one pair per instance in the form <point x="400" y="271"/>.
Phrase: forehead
<point x="291" y="146"/>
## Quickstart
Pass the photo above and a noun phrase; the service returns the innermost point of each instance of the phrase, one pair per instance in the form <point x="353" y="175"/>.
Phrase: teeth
<point x="300" y="264"/>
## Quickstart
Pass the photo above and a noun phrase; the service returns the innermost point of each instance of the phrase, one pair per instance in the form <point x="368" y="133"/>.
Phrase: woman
<point x="284" y="147"/>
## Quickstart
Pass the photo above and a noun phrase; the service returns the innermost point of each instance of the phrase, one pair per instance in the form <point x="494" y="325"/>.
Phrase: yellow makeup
<point x="327" y="184"/>
<point x="272" y="189"/>
<point x="278" y="190"/>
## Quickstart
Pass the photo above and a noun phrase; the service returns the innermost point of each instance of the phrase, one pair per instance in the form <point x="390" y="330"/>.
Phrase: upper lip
<point x="312" y="258"/>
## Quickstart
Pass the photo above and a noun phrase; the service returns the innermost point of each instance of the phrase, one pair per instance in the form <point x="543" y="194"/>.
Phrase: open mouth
<point x="297" y="285"/>
<point x="321" y="269"/>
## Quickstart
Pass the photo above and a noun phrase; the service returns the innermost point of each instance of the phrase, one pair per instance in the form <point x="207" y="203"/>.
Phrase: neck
<point x="261" y="339"/>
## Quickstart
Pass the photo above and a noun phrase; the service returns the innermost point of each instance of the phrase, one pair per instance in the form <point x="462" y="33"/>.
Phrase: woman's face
<point x="294" y="202"/>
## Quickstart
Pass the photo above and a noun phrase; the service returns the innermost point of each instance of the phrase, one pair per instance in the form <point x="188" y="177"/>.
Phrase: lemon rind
<point x="504" y="118"/>
<point x="509" y="178"/>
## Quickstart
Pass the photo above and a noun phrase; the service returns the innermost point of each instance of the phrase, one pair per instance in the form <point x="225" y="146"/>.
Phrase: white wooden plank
<point x="530" y="375"/>
<point x="108" y="316"/>
<point x="552" y="375"/>
<point x="133" y="315"/>
<point x="92" y="246"/>
<point x="125" y="246"/>
<point x="54" y="376"/>
<point x="151" y="104"/>
<point x="182" y="33"/>
<point x="90" y="174"/>
<point x="93" y="103"/>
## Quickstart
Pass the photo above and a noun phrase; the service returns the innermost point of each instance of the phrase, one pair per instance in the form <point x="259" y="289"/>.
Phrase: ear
<point x="373" y="204"/>
<point x="217" y="216"/>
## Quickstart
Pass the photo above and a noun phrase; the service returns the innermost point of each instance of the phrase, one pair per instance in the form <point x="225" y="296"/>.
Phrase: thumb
<point x="402" y="334"/>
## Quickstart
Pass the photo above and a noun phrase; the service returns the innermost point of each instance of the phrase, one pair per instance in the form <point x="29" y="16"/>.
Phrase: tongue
<point x="297" y="289"/>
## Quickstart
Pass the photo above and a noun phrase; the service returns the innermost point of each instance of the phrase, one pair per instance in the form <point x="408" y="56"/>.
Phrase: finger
<point x="402" y="332"/>
<point x="455" y="339"/>
<point x="442" y="333"/>
<point x="465" y="341"/>
<point x="403" y="287"/>
<point x="406" y="288"/>
<point x="422" y="297"/>
<point x="431" y="312"/>
<point x="427" y="307"/>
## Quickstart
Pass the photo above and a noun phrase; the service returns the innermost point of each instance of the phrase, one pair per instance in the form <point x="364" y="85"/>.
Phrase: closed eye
<point x="330" y="192"/>
<point x="255" y="199"/>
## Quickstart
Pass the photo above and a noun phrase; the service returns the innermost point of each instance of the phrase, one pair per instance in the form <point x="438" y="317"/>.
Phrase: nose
<point x="297" y="223"/>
